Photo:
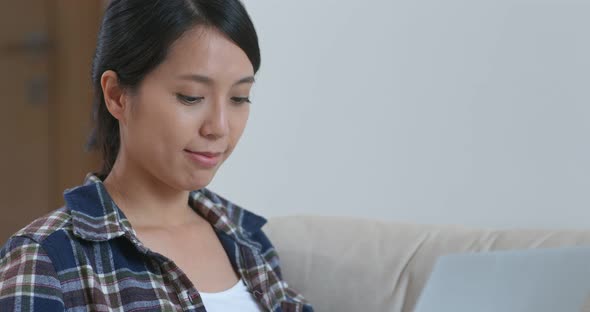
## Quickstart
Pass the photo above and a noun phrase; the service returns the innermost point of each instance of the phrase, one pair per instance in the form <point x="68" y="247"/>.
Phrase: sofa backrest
<point x="353" y="264"/>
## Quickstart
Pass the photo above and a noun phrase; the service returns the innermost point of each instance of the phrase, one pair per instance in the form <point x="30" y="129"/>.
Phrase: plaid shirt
<point x="85" y="256"/>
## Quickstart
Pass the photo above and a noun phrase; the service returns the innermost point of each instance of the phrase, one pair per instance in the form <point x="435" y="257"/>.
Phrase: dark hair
<point x="134" y="38"/>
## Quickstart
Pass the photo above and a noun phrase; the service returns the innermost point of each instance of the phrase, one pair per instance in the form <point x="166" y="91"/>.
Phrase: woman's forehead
<point x="206" y="51"/>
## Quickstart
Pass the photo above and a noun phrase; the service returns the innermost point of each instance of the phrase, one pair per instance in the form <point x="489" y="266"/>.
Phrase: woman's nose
<point x="215" y="123"/>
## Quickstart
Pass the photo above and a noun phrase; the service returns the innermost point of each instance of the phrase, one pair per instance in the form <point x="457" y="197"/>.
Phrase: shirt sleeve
<point x="272" y="257"/>
<point x="28" y="280"/>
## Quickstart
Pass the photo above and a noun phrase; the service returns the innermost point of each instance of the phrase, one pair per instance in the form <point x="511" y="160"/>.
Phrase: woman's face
<point x="197" y="100"/>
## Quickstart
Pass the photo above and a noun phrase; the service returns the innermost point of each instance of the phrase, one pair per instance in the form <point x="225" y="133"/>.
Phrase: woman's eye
<point x="240" y="100"/>
<point x="189" y="99"/>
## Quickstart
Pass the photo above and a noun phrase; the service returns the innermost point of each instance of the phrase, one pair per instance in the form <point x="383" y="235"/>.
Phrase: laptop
<point x="532" y="280"/>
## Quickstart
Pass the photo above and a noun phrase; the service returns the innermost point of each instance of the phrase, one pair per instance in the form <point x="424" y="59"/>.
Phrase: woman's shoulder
<point x="41" y="228"/>
<point x="245" y="219"/>
<point x="250" y="223"/>
<point x="253" y="223"/>
<point x="27" y="264"/>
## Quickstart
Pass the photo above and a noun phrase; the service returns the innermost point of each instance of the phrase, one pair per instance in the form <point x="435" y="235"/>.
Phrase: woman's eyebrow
<point x="209" y="81"/>
<point x="249" y="79"/>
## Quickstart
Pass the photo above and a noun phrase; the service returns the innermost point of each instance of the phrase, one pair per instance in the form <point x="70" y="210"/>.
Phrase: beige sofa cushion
<point x="354" y="264"/>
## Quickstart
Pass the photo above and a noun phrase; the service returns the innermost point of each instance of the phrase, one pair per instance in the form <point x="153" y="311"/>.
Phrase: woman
<point x="172" y="81"/>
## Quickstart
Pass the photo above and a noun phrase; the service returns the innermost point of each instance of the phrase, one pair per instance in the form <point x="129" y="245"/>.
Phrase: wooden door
<point x="24" y="113"/>
<point x="46" y="49"/>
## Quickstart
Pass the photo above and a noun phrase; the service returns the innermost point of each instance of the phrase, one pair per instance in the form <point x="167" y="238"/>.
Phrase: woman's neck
<point x="145" y="200"/>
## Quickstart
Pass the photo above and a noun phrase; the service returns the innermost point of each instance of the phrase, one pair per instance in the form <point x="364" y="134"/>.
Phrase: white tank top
<point x="237" y="298"/>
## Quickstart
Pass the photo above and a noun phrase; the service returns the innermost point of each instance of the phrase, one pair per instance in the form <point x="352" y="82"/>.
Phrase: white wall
<point x="457" y="111"/>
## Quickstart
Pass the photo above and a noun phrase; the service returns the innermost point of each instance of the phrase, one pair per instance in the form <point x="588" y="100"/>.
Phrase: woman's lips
<point x="204" y="159"/>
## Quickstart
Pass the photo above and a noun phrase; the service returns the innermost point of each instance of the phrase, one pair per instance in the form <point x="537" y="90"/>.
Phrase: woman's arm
<point x="28" y="280"/>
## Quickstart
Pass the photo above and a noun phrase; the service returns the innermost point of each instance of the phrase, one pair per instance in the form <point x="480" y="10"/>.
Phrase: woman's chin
<point x="198" y="182"/>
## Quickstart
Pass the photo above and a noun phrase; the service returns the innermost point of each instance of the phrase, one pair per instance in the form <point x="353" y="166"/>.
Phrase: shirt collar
<point x="96" y="217"/>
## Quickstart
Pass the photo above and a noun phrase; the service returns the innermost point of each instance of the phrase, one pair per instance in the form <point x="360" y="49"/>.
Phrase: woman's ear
<point x="114" y="95"/>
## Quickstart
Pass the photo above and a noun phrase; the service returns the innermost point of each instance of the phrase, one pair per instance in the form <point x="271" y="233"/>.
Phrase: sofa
<point x="355" y="264"/>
